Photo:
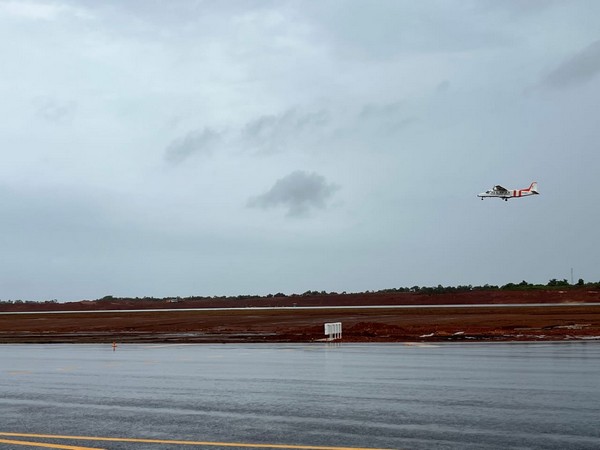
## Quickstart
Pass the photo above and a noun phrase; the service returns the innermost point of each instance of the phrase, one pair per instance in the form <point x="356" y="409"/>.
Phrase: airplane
<point x="503" y="193"/>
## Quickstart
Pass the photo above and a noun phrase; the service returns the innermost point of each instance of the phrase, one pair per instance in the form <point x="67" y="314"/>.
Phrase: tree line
<point x="439" y="289"/>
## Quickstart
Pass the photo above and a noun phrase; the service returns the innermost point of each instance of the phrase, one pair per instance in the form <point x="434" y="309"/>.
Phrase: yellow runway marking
<point x="175" y="442"/>
<point x="44" y="445"/>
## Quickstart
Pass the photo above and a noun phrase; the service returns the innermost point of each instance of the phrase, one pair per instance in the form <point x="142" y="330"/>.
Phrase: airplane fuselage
<point x="505" y="194"/>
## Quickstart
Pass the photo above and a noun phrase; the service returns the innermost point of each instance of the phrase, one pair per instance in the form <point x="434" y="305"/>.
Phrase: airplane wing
<point x="500" y="188"/>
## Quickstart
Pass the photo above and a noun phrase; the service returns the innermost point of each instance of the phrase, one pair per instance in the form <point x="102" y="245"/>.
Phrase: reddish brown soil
<point x="290" y="324"/>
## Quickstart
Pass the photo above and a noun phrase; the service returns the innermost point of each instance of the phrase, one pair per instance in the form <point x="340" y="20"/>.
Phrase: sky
<point x="218" y="148"/>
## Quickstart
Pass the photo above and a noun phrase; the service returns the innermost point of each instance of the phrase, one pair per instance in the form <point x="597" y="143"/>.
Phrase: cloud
<point x="388" y="117"/>
<point x="266" y="134"/>
<point x="54" y="111"/>
<point x="518" y="8"/>
<point x="443" y="87"/>
<point x="381" y="110"/>
<point x="393" y="30"/>
<point x="273" y="133"/>
<point x="299" y="192"/>
<point x="38" y="10"/>
<point x="195" y="142"/>
<point x="578" y="69"/>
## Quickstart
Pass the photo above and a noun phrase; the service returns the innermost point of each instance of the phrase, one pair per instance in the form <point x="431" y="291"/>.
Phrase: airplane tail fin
<point x="534" y="187"/>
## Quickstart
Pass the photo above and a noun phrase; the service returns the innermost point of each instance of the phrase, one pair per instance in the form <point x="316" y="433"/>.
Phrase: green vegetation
<point x="429" y="290"/>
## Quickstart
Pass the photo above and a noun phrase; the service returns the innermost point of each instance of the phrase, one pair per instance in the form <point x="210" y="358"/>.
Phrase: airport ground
<point x="326" y="396"/>
<point x="528" y="315"/>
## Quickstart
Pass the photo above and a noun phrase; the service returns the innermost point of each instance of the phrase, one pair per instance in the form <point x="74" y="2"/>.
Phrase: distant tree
<point x="485" y="287"/>
<point x="580" y="282"/>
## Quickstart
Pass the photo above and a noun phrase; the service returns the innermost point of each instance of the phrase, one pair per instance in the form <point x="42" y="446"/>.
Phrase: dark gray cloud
<point x="273" y="133"/>
<point x="266" y="134"/>
<point x="299" y="192"/>
<point x="578" y="69"/>
<point x="195" y="142"/>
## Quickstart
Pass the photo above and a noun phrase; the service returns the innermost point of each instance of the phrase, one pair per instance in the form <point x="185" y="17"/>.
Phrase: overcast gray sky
<point x="250" y="147"/>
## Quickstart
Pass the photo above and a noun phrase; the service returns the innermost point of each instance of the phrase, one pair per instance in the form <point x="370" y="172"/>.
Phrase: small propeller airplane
<point x="503" y="193"/>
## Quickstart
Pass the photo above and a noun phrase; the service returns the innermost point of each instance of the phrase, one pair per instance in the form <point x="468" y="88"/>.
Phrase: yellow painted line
<point x="175" y="442"/>
<point x="44" y="445"/>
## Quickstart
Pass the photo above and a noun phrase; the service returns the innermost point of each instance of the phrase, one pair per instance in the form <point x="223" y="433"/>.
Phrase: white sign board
<point x="333" y="330"/>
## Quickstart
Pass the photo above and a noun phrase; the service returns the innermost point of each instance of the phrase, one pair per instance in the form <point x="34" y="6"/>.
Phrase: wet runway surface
<point x="300" y="396"/>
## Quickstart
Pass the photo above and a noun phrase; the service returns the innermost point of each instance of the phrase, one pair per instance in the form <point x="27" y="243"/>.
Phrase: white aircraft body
<point x="503" y="193"/>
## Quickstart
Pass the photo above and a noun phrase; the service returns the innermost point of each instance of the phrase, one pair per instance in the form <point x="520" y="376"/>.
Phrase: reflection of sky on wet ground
<point x="375" y="395"/>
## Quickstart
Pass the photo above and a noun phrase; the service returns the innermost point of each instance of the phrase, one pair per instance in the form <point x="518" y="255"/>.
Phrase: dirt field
<point x="293" y="324"/>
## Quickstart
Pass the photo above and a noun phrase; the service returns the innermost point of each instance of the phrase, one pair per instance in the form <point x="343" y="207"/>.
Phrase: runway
<point x="296" y="396"/>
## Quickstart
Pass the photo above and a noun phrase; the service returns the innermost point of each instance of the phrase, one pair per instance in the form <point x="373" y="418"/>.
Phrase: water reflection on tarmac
<point x="538" y="395"/>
